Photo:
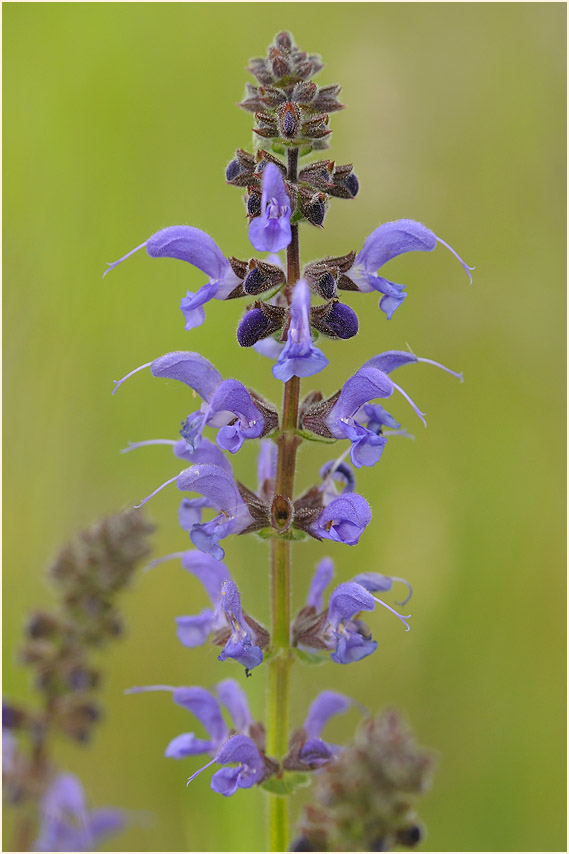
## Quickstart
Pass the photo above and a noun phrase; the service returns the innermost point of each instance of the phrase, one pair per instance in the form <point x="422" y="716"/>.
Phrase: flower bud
<point x="335" y="320"/>
<point x="261" y="277"/>
<point x="42" y="625"/>
<point x="232" y="171"/>
<point x="343" y="321"/>
<point x="254" y="204"/>
<point x="252" y="328"/>
<point x="289" y="120"/>
<point x="312" y="206"/>
<point x="410" y="836"/>
<point x="352" y="185"/>
<point x="345" y="184"/>
<point x="283" y="40"/>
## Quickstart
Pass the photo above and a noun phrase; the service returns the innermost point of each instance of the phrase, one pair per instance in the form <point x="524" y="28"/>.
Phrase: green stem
<point x="278" y="692"/>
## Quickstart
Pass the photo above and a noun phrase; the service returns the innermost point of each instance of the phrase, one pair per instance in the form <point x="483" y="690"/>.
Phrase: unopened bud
<point x="352" y="185"/>
<point x="313" y="207"/>
<point x="342" y="321"/>
<point x="284" y="41"/>
<point x="254" y="204"/>
<point x="232" y="171"/>
<point x="289" y="120"/>
<point x="280" y="66"/>
<point x="42" y="625"/>
<point x="252" y="328"/>
<point x="262" y="277"/>
<point x="410" y="836"/>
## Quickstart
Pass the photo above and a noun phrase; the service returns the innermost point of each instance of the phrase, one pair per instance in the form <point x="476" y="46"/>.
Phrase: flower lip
<point x="271" y="231"/>
<point x="299" y="357"/>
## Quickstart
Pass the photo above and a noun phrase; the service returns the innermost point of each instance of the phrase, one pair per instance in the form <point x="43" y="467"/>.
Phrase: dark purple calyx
<point x="262" y="277"/>
<point x="252" y="328"/>
<point x="260" y="321"/>
<point x="335" y="320"/>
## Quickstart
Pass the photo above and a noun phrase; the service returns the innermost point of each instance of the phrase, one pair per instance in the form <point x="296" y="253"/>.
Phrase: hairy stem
<point x="278" y="694"/>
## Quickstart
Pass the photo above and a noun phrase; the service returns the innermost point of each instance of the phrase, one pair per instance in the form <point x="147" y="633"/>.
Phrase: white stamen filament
<point x="399" y="616"/>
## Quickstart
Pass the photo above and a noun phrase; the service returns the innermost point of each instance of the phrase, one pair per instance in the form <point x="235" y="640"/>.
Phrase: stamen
<point x="408" y="399"/>
<point x="442" y="367"/>
<point x="148" y="497"/>
<point x="157" y="561"/>
<point x="457" y="256"/>
<point x="133" y="445"/>
<point x="118" y="383"/>
<point x="143" y="688"/>
<point x="193" y="777"/>
<point x="402" y="432"/>
<point x="399" y="616"/>
<point x="330" y="475"/>
<point x="409" y="588"/>
<point x="112" y="264"/>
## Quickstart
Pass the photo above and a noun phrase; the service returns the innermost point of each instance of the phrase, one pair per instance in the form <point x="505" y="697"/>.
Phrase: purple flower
<point x="221" y="492"/>
<point x="199" y="249"/>
<point x="225" y="617"/>
<point x="351" y="639"/>
<point x="241" y="644"/>
<point x="266" y="469"/>
<point x="386" y="242"/>
<point x="320" y="581"/>
<point x="343" y="520"/>
<point x="195" y="630"/>
<point x="227" y="404"/>
<point x="205" y="707"/>
<point x="299" y="357"/>
<point x="342" y="631"/>
<point x="348" y="416"/>
<point x="271" y="231"/>
<point x="65" y="822"/>
<point x="315" y="752"/>
<point x="251" y="769"/>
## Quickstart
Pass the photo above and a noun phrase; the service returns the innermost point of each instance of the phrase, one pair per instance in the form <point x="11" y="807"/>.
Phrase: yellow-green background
<point x="119" y="119"/>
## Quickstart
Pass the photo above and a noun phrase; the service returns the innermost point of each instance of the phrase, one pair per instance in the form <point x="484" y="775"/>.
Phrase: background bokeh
<point x="119" y="119"/>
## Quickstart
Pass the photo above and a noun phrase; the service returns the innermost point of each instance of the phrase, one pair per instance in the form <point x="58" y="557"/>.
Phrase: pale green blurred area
<point x="119" y="119"/>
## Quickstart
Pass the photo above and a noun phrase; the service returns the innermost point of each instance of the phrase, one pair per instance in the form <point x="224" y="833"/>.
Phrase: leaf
<point x="286" y="784"/>
<point x="313" y="437"/>
<point x="310" y="657"/>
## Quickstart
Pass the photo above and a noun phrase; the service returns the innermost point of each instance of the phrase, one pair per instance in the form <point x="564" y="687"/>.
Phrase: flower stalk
<point x="278" y="688"/>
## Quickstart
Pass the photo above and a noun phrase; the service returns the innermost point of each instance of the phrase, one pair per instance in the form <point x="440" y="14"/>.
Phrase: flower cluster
<point x="291" y="311"/>
<point x="62" y="647"/>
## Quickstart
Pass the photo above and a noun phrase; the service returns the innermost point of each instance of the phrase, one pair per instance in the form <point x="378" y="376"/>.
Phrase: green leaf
<point x="310" y="657"/>
<point x="313" y="437"/>
<point x="286" y="784"/>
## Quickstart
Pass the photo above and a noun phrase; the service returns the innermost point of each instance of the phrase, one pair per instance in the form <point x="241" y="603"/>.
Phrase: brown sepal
<point x="315" y="416"/>
<point x="257" y="508"/>
<point x="267" y="409"/>
<point x="240" y="268"/>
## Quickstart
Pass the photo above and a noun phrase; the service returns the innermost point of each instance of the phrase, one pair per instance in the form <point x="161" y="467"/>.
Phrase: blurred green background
<point x="119" y="119"/>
